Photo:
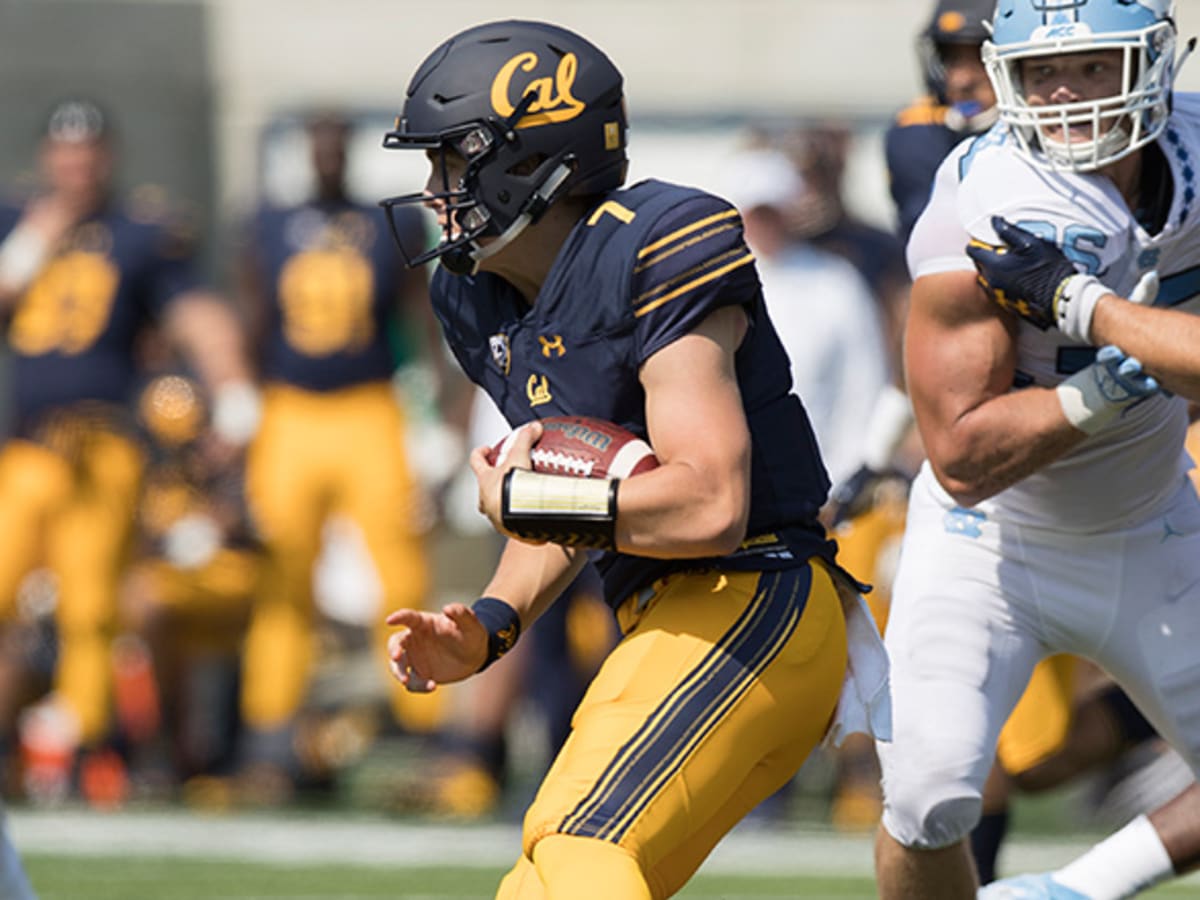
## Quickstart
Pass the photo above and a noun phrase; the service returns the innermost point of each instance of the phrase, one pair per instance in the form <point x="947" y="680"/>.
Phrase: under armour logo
<point x="554" y="345"/>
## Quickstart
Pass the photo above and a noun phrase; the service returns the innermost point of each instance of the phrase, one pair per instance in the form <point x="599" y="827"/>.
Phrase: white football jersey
<point x="1124" y="473"/>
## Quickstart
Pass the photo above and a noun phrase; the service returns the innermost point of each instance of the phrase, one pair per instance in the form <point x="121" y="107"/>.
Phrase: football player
<point x="1034" y="436"/>
<point x="326" y="292"/>
<point x="562" y="292"/>
<point x="81" y="276"/>
<point x="1033" y="278"/>
<point x="1050" y="736"/>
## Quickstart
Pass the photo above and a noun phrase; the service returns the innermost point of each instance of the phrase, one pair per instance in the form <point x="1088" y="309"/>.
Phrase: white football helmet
<point x="1144" y="30"/>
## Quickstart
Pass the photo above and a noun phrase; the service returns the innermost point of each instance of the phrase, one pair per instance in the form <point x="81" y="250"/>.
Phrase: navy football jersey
<point x="914" y="146"/>
<point x="642" y="269"/>
<point x="332" y="281"/>
<point x="72" y="332"/>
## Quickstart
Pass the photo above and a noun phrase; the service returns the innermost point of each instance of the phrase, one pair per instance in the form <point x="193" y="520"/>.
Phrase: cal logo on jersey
<point x="537" y="389"/>
<point x="501" y="353"/>
<point x="552" y="94"/>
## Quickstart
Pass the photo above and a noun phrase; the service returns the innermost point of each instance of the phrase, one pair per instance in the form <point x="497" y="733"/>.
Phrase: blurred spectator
<point x="820" y="152"/>
<point x="81" y="276"/>
<point x="822" y="308"/>
<point x="325" y="289"/>
<point x="833" y="330"/>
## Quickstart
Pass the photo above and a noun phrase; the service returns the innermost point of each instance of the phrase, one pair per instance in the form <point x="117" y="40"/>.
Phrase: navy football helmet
<point x="1144" y="32"/>
<point x="953" y="22"/>
<point x="536" y="112"/>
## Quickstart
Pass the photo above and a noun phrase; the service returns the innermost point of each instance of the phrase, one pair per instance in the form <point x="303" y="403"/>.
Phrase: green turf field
<point x="173" y="854"/>
<point x="75" y="878"/>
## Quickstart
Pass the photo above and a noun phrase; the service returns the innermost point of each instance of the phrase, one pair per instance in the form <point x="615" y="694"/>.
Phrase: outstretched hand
<point x="435" y="647"/>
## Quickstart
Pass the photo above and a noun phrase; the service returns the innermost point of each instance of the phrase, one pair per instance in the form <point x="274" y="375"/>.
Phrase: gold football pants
<point x="722" y="685"/>
<point x="317" y="454"/>
<point x="74" y="516"/>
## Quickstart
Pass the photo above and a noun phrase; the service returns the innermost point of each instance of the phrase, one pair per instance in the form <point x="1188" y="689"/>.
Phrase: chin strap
<point x="534" y="208"/>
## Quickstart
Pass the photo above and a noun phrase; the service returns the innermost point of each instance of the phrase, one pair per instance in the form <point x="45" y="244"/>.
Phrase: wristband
<point x="503" y="627"/>
<point x="22" y="255"/>
<point x="1075" y="304"/>
<point x="575" y="512"/>
<point x="237" y="410"/>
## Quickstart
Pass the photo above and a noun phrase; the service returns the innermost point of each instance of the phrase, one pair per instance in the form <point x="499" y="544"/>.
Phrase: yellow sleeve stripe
<point x="702" y="266"/>
<point x="686" y="230"/>
<point x="671" y="251"/>
<point x="703" y="279"/>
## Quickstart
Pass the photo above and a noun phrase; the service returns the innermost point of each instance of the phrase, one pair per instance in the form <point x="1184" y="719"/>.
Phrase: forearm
<point x="211" y="337"/>
<point x="679" y="511"/>
<point x="1166" y="341"/>
<point x="529" y="577"/>
<point x="999" y="442"/>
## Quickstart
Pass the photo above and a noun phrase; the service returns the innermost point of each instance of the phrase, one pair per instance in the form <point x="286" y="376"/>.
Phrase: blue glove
<point x="1025" y="275"/>
<point x="1120" y="377"/>
<point x="1097" y="394"/>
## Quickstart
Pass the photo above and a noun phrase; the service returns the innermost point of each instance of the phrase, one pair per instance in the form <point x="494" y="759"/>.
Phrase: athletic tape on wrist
<point x="1076" y="305"/>
<point x="503" y="626"/>
<point x="1084" y="404"/>
<point x="575" y="512"/>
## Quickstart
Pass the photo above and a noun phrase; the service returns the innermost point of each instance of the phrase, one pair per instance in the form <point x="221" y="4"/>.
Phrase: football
<point x="584" y="447"/>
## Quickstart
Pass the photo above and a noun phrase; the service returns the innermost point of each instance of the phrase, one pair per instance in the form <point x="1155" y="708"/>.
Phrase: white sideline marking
<point x="363" y="841"/>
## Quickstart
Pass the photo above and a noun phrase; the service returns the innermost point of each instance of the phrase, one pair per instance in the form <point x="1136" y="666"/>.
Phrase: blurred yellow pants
<point x="319" y="453"/>
<point x="75" y="516"/>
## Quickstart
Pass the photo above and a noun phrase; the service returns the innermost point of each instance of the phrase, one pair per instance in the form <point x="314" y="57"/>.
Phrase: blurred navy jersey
<point x="642" y="269"/>
<point x="915" y="145"/>
<point x="72" y="332"/>
<point x="331" y="282"/>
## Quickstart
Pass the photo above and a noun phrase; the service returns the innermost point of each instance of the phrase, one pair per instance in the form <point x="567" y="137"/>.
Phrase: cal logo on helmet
<point x="553" y="101"/>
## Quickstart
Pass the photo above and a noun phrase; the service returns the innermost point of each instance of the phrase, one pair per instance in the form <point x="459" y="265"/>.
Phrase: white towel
<point x="865" y="704"/>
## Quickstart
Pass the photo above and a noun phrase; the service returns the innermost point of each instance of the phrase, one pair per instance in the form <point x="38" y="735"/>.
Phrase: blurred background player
<point x="82" y="275"/>
<point x="327" y="296"/>
<point x="186" y="598"/>
<point x="959" y="102"/>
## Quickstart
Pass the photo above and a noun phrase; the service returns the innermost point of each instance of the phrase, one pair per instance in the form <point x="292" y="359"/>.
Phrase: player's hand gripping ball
<point x="584" y="447"/>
